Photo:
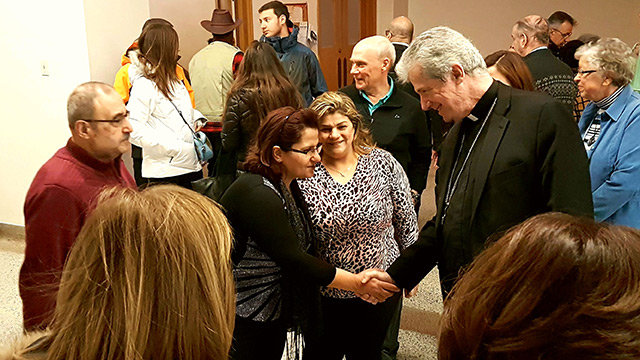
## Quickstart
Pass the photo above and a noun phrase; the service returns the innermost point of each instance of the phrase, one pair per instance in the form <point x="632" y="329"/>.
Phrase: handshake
<point x="376" y="286"/>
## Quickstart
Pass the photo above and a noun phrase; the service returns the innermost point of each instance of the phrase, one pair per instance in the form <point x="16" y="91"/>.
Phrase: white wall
<point x="111" y="27"/>
<point x="488" y="23"/>
<point x="34" y="123"/>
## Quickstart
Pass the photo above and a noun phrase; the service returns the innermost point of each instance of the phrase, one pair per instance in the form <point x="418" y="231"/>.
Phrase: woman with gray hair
<point x="610" y="128"/>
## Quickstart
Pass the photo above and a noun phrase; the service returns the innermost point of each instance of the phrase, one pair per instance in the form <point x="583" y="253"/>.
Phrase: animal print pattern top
<point x="366" y="222"/>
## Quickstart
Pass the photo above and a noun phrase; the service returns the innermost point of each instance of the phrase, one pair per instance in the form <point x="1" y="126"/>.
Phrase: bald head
<point x="400" y="30"/>
<point x="379" y="46"/>
<point x="371" y="60"/>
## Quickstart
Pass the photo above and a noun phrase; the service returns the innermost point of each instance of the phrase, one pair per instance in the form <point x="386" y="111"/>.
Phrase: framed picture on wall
<point x="298" y="13"/>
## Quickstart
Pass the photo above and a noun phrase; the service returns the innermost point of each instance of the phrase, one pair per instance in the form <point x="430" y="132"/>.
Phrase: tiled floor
<point x="419" y="316"/>
<point x="11" y="255"/>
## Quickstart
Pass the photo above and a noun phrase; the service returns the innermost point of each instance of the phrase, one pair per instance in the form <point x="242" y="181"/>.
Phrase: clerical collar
<point x="483" y="106"/>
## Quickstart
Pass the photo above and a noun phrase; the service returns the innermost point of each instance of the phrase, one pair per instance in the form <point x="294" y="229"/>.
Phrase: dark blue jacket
<point x="300" y="63"/>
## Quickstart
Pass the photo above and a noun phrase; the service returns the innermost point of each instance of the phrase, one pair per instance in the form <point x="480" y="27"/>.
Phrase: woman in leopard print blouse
<point x="360" y="205"/>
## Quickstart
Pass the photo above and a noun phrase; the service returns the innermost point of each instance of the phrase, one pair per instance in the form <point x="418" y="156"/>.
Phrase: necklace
<point x="343" y="174"/>
<point x="338" y="171"/>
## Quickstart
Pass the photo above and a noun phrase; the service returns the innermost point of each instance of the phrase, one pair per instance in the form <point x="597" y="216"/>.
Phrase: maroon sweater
<point x="60" y="197"/>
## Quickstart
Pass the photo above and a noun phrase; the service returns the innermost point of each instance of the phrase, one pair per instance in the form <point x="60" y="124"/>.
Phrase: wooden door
<point x="341" y="24"/>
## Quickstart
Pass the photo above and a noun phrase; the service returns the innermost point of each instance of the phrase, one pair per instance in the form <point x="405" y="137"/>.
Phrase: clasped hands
<point x="377" y="286"/>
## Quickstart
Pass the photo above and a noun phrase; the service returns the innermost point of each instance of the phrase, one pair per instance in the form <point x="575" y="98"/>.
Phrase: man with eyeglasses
<point x="64" y="190"/>
<point x="530" y="37"/>
<point x="560" y="29"/>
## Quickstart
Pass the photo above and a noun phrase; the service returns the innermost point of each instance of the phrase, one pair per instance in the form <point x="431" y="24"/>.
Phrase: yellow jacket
<point x="122" y="83"/>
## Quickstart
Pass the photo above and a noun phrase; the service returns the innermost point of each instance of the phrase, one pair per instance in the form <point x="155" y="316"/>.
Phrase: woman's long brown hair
<point x="261" y="72"/>
<point x="554" y="287"/>
<point x="159" y="56"/>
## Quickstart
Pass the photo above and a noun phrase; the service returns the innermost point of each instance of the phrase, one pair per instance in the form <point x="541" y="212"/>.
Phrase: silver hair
<point x="436" y="51"/>
<point x="611" y="57"/>
<point x="534" y="26"/>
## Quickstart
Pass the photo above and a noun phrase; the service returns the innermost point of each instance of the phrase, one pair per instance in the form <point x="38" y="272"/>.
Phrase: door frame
<point x="244" y="32"/>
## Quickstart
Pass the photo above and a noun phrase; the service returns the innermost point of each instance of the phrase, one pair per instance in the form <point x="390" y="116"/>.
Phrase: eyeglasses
<point x="310" y="152"/>
<point x="564" y="35"/>
<point x="584" y="73"/>
<point x="116" y="122"/>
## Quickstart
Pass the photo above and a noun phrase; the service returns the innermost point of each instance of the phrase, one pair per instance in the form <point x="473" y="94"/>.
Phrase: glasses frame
<point x="564" y="36"/>
<point x="126" y="116"/>
<point x="310" y="152"/>
<point x="583" y="73"/>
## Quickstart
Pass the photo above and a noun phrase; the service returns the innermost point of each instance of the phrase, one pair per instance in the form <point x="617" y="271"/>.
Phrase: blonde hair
<point x="149" y="277"/>
<point x="333" y="102"/>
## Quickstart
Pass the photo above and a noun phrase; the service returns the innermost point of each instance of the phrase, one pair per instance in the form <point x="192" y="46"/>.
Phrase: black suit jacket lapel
<point x="496" y="126"/>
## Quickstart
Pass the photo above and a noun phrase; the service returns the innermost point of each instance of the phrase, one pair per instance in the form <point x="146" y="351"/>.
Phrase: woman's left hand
<point x="199" y="124"/>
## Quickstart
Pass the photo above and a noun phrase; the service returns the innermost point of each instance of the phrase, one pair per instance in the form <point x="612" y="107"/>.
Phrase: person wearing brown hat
<point x="212" y="70"/>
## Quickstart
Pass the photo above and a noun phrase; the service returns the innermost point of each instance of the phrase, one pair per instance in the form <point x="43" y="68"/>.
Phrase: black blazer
<point x="532" y="161"/>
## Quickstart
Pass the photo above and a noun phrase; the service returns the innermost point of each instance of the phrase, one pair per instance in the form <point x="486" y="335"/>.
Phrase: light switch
<point x="44" y="67"/>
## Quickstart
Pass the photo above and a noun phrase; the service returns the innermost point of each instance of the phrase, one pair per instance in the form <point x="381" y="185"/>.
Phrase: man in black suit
<point x="510" y="155"/>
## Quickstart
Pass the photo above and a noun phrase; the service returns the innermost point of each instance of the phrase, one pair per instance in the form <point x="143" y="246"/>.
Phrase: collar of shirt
<point x="400" y="43"/>
<point x="373" y="107"/>
<point x="609" y="100"/>
<point x="484" y="104"/>
<point x="538" y="48"/>
<point x="84" y="157"/>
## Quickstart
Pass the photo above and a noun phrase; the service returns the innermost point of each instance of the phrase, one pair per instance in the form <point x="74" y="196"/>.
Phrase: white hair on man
<point x="436" y="51"/>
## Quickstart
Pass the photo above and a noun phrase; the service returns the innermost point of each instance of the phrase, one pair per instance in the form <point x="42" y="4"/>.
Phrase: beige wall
<point x="34" y="123"/>
<point x="185" y="17"/>
<point x="488" y="23"/>
<point x="107" y="40"/>
<point x="387" y="11"/>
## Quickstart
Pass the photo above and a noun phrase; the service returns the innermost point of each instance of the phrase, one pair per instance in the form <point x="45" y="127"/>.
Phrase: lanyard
<point x="453" y="185"/>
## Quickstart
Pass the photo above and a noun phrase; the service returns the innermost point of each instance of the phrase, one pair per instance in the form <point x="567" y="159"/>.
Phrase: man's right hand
<point x="377" y="286"/>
